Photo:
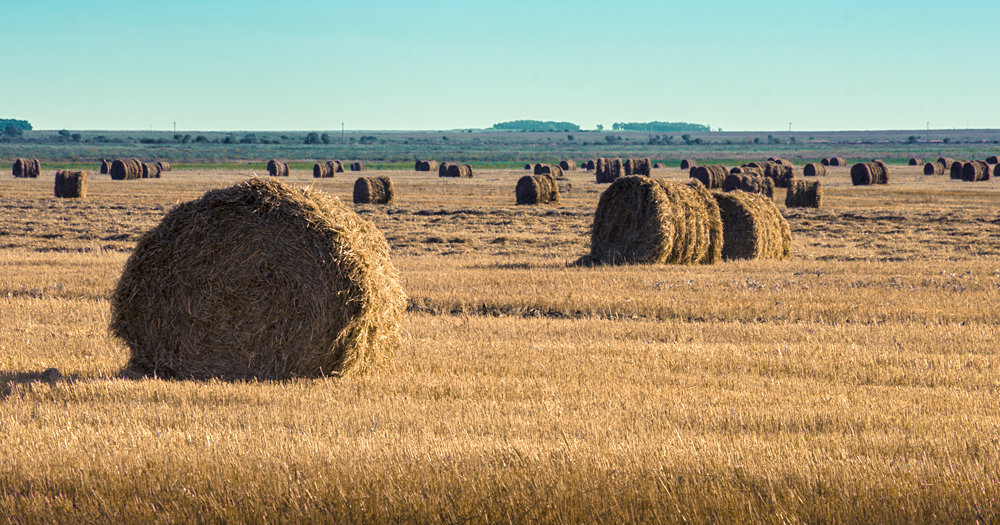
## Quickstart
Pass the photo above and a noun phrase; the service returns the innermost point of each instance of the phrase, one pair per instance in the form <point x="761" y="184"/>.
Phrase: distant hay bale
<point x="426" y="165"/>
<point x="804" y="194"/>
<point x="150" y="170"/>
<point x="590" y="164"/>
<point x="838" y="161"/>
<point x="286" y="170"/>
<point x="547" y="169"/>
<point x="105" y="167"/>
<point x="357" y="166"/>
<point x="331" y="167"/>
<point x="750" y="170"/>
<point x="276" y="168"/>
<point x="443" y="169"/>
<point x="26" y="168"/>
<point x="948" y="162"/>
<point x="652" y="221"/>
<point x="458" y="170"/>
<point x="322" y="170"/>
<point x="825" y="161"/>
<point x="687" y="164"/>
<point x="338" y="166"/>
<point x="567" y="165"/>
<point x="865" y="173"/>
<point x="164" y="165"/>
<point x="975" y="171"/>
<point x="752" y="227"/>
<point x="286" y="282"/>
<point x="993" y="159"/>
<point x="657" y="165"/>
<point x="781" y="174"/>
<point x="536" y="189"/>
<point x="749" y="183"/>
<point x="711" y="176"/>
<point x="814" y="170"/>
<point x="126" y="169"/>
<point x="640" y="167"/>
<point x="374" y="190"/>
<point x="71" y="184"/>
<point x="783" y="162"/>
<point x="527" y="166"/>
<point x="607" y="170"/>
<point x="934" y="168"/>
<point x="914" y="161"/>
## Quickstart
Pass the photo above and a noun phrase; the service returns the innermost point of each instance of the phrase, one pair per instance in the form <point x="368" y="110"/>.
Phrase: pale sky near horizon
<point x="310" y="65"/>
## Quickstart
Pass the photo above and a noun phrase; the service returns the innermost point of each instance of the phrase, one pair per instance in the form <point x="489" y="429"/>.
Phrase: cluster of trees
<point x="11" y="129"/>
<point x="659" y="126"/>
<point x="536" y="125"/>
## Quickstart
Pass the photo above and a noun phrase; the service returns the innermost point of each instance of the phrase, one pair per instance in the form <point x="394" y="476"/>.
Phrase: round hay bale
<point x="320" y="170"/>
<point x="955" y="172"/>
<point x="838" y="161"/>
<point x="865" y="173"/>
<point x="804" y="194"/>
<point x="687" y="164"/>
<point x="26" y="168"/>
<point x="641" y="167"/>
<point x="338" y="166"/>
<point x="590" y="164"/>
<point x="286" y="283"/>
<point x="780" y="161"/>
<point x="105" y="167"/>
<point x="711" y="176"/>
<point x="914" y="161"/>
<point x="459" y="170"/>
<point x="749" y="182"/>
<point x="947" y="161"/>
<point x="607" y="170"/>
<point x="71" y="184"/>
<point x="426" y="165"/>
<point x="934" y="168"/>
<point x="657" y="165"/>
<point x="275" y="168"/>
<point x="374" y="190"/>
<point x="150" y="170"/>
<point x="750" y="170"/>
<point x="540" y="169"/>
<point x="357" y="166"/>
<point x="825" y="161"/>
<point x="443" y="169"/>
<point x="126" y="169"/>
<point x="285" y="171"/>
<point x="164" y="165"/>
<point x="752" y="227"/>
<point x="536" y="189"/>
<point x="331" y="168"/>
<point x="993" y="159"/>
<point x="527" y="166"/>
<point x="975" y="171"/>
<point x="651" y="221"/>
<point x="567" y="165"/>
<point x="814" y="170"/>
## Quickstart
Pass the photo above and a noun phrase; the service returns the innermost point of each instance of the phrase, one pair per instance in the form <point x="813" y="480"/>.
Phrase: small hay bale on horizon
<point x="993" y="159"/>
<point x="752" y="227"/>
<point x="825" y="161"/>
<point x="838" y="161"/>
<point x="590" y="164"/>
<point x="277" y="168"/>
<point x="804" y="194"/>
<point x="150" y="170"/>
<point x="164" y="165"/>
<point x="459" y="171"/>
<point x="536" y="189"/>
<point x="750" y="183"/>
<point x="374" y="190"/>
<point x="527" y="166"/>
<point x="322" y="170"/>
<point x="287" y="283"/>
<point x="71" y="184"/>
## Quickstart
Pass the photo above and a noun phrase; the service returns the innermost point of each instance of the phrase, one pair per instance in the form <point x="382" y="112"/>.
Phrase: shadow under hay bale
<point x="804" y="194"/>
<point x="105" y="167"/>
<point x="750" y="183"/>
<point x="814" y="170"/>
<point x="374" y="190"/>
<point x="536" y="189"/>
<point x="652" y="221"/>
<point x="567" y="165"/>
<point x="687" y="164"/>
<point x="357" y="166"/>
<point x="314" y="292"/>
<point x="26" y="168"/>
<point x="71" y="184"/>
<point x="608" y="170"/>
<point x="934" y="168"/>
<point x="126" y="169"/>
<point x="752" y="227"/>
<point x="150" y="170"/>
<point x="711" y="176"/>
<point x="975" y="171"/>
<point x="867" y="173"/>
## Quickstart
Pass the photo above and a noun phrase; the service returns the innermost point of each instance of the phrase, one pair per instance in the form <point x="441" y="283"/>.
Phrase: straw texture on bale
<point x="752" y="227"/>
<point x="638" y="167"/>
<point x="651" y="221"/>
<point x="914" y="161"/>
<point x="804" y="194"/>
<point x="607" y="170"/>
<point x="814" y="169"/>
<point x="374" y="190"/>
<point x="975" y="171"/>
<point x="164" y="165"/>
<point x="357" y="166"/>
<point x="105" y="167"/>
<point x="26" y="168"/>
<point x="779" y="173"/>
<point x="536" y="189"/>
<point x="126" y="169"/>
<point x="865" y="173"/>
<point x="286" y="282"/>
<point x="955" y="172"/>
<point x="426" y="165"/>
<point x="749" y="183"/>
<point x="934" y="168"/>
<point x="750" y="170"/>
<point x="277" y="169"/>
<point x="993" y="159"/>
<point x="567" y="165"/>
<point x="150" y="170"/>
<point x="71" y="184"/>
<point x="711" y="176"/>
<point x="838" y="161"/>
<point x="687" y="164"/>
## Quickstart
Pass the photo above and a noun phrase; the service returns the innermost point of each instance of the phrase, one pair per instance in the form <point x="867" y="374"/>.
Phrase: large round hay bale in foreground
<point x="374" y="190"/>
<point x="286" y="283"/>
<point x="750" y="183"/>
<point x="975" y="171"/>
<point x="652" y="221"/>
<point x="814" y="170"/>
<point x="865" y="173"/>
<point x="711" y="176"/>
<point x="71" y="184"/>
<point x="934" y="168"/>
<point x="804" y="194"/>
<point x="536" y="189"/>
<point x="752" y="227"/>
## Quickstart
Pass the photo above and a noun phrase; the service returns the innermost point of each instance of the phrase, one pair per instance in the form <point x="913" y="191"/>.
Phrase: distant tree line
<point x="22" y="125"/>
<point x="536" y="125"/>
<point x="658" y="126"/>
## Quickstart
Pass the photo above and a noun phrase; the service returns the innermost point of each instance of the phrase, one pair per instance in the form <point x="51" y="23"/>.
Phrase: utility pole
<point x="175" y="126"/>
<point x="789" y="127"/>
<point x="342" y="133"/>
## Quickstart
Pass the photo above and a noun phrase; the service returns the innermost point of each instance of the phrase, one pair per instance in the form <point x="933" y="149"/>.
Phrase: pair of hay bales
<point x="151" y="170"/>
<point x="454" y="170"/>
<point x="425" y="165"/>
<point x="374" y="190"/>
<point x="277" y="168"/>
<point x="26" y="168"/>
<point x="126" y="169"/>
<point x="546" y="169"/>
<point x="327" y="169"/>
<point x="804" y="194"/>
<point x="814" y="169"/>
<point x="834" y="161"/>
<point x="640" y="220"/>
<point x="748" y="181"/>
<point x="867" y="173"/>
<point x="637" y="166"/>
<point x="314" y="292"/>
<point x="711" y="176"/>
<point x="536" y="189"/>
<point x="608" y="170"/>
<point x="993" y="159"/>
<point x="975" y="171"/>
<point x="71" y="184"/>
<point x="939" y="167"/>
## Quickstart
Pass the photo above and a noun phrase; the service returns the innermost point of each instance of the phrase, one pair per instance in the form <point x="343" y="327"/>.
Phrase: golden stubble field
<point x="857" y="382"/>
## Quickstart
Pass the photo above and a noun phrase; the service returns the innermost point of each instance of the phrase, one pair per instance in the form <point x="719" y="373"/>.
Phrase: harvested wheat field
<point x="856" y="379"/>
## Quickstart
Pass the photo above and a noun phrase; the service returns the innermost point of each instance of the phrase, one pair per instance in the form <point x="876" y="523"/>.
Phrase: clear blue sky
<point x="309" y="65"/>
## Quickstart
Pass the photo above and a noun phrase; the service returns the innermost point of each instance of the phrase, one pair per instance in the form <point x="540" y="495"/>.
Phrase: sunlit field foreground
<point x="859" y="381"/>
